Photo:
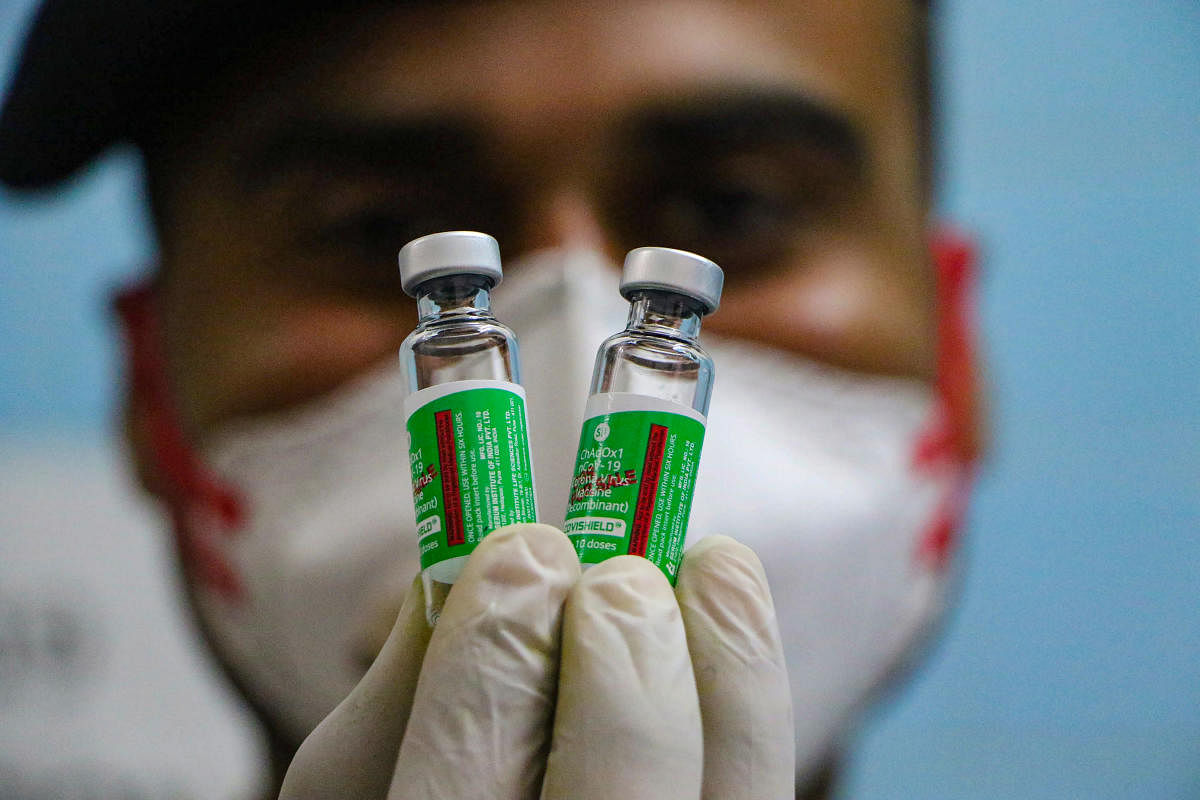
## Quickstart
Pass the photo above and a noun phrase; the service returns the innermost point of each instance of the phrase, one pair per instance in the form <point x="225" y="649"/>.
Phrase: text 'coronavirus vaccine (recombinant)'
<point x="468" y="436"/>
<point x="635" y="471"/>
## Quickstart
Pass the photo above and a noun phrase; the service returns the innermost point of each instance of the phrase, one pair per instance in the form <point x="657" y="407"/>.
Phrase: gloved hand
<point x="537" y="681"/>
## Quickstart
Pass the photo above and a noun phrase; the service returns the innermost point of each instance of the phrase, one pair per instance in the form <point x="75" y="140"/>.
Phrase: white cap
<point x="675" y="271"/>
<point x="449" y="253"/>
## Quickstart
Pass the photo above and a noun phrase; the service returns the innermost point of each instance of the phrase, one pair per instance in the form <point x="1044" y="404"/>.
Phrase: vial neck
<point x="665" y="314"/>
<point x="454" y="296"/>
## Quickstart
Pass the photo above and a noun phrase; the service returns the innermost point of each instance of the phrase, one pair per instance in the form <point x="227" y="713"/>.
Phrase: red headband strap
<point x="198" y="501"/>
<point x="952" y="440"/>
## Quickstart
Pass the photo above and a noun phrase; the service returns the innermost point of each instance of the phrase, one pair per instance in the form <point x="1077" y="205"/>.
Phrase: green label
<point x="468" y="447"/>
<point x="635" y="474"/>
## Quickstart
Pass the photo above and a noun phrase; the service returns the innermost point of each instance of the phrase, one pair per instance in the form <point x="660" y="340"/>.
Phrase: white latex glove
<point x="537" y="682"/>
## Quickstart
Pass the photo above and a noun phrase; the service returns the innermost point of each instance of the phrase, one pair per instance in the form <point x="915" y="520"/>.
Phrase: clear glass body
<point x="657" y="353"/>
<point x="456" y="339"/>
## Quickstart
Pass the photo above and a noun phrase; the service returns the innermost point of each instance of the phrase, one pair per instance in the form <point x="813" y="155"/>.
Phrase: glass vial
<point x="468" y="436"/>
<point x="635" y="469"/>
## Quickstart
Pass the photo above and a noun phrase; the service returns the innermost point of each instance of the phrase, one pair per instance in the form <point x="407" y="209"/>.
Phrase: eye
<point x="374" y="232"/>
<point x="351" y="238"/>
<point x="723" y="212"/>
<point x="747" y="196"/>
<point x="356" y="252"/>
<point x="745" y="222"/>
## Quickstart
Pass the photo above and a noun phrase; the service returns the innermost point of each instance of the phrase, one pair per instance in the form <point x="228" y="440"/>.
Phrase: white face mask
<point x="813" y="468"/>
<point x="809" y="465"/>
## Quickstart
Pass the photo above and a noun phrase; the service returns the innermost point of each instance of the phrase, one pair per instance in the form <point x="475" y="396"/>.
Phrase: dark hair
<point x="92" y="74"/>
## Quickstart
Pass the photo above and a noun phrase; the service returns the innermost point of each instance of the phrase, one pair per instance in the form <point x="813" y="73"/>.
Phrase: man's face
<point x="779" y="139"/>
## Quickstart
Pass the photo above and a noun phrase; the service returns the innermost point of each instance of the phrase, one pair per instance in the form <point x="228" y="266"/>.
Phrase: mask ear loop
<point x="202" y="508"/>
<point x="952" y="439"/>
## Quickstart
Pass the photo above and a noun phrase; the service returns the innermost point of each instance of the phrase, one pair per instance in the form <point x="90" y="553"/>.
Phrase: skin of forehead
<point x="545" y="76"/>
<point x="552" y="72"/>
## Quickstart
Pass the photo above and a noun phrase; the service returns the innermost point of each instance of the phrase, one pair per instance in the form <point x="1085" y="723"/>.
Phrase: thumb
<point x="352" y="753"/>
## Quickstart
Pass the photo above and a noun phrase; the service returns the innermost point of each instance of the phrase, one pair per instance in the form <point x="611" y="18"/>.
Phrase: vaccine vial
<point x="635" y="469"/>
<point x="468" y="436"/>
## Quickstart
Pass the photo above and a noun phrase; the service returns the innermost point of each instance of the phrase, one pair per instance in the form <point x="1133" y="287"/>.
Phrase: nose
<point x="564" y="217"/>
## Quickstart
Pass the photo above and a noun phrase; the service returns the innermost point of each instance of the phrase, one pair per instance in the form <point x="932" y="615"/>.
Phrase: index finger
<point x="484" y="702"/>
<point x="628" y="721"/>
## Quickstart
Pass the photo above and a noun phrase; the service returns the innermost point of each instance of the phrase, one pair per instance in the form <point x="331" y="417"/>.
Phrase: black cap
<point x="94" y="73"/>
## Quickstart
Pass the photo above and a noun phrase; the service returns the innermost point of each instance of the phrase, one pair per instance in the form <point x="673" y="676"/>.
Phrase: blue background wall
<point x="1072" y="669"/>
<point x="1072" y="147"/>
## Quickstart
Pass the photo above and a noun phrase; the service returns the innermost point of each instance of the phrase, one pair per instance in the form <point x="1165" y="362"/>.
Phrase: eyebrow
<point x="368" y="146"/>
<point x="743" y="119"/>
<point x="671" y="130"/>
